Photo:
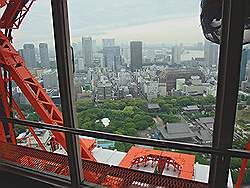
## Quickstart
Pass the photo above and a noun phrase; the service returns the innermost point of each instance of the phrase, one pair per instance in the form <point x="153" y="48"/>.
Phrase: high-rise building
<point x="150" y="89"/>
<point x="108" y="42"/>
<point x="170" y="76"/>
<point x="50" y="80"/>
<point x="136" y="55"/>
<point x="87" y="49"/>
<point x="104" y="91"/>
<point x="21" y="52"/>
<point x="80" y="64"/>
<point x="243" y="65"/>
<point x="44" y="55"/>
<point x="29" y="55"/>
<point x="112" y="58"/>
<point x="248" y="56"/>
<point x="211" y="54"/>
<point x="176" y="54"/>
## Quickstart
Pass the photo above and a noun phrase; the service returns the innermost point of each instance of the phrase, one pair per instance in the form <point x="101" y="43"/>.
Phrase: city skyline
<point x="161" y="21"/>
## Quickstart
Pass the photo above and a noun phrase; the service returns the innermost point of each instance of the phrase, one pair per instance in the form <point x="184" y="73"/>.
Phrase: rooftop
<point x="176" y="131"/>
<point x="107" y="156"/>
<point x="201" y="174"/>
<point x="207" y="120"/>
<point x="153" y="106"/>
<point x="186" y="161"/>
<point x="191" y="108"/>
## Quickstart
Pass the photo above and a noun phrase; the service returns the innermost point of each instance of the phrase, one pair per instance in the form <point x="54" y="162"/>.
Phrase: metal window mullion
<point x="133" y="140"/>
<point x="228" y="87"/>
<point x="65" y="76"/>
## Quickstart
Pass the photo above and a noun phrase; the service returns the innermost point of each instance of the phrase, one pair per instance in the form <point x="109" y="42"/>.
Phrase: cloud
<point x="95" y="17"/>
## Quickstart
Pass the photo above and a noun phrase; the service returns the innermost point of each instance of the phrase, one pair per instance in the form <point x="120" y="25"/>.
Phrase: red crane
<point x="14" y="68"/>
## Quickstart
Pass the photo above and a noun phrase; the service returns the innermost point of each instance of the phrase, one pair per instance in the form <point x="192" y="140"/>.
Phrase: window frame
<point x="226" y="100"/>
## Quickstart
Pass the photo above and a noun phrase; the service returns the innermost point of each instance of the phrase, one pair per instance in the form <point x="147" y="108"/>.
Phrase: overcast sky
<point x="152" y="21"/>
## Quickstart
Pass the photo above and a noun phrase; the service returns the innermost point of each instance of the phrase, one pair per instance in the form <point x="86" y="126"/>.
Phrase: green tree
<point x="131" y="131"/>
<point x="128" y="111"/>
<point x="120" y="146"/>
<point x="142" y="125"/>
<point x="84" y="105"/>
<point x="185" y="101"/>
<point x="167" y="108"/>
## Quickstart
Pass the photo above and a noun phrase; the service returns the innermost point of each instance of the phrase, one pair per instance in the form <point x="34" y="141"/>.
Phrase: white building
<point x="124" y="78"/>
<point x="80" y="64"/>
<point x="211" y="53"/>
<point x="163" y="89"/>
<point x="176" y="54"/>
<point x="50" y="80"/>
<point x="179" y="83"/>
<point x="196" y="87"/>
<point x="151" y="89"/>
<point x="44" y="55"/>
<point x="108" y="42"/>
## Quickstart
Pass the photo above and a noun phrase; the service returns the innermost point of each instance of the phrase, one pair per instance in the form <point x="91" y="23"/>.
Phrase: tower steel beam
<point x="65" y="74"/>
<point x="228" y="87"/>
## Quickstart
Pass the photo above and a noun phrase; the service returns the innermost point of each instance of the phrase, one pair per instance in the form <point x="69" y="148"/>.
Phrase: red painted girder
<point x="19" y="111"/>
<point x="14" y="13"/>
<point x="34" y="92"/>
<point x="2" y="3"/>
<point x="22" y="116"/>
<point x="3" y="94"/>
<point x="242" y="169"/>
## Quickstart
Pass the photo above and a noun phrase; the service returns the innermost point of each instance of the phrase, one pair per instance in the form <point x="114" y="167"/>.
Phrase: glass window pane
<point x="235" y="169"/>
<point x="138" y="73"/>
<point x="31" y="81"/>
<point x="242" y="121"/>
<point x="144" y="72"/>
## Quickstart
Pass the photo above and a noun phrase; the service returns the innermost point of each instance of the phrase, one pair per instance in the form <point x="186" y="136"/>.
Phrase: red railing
<point x="94" y="172"/>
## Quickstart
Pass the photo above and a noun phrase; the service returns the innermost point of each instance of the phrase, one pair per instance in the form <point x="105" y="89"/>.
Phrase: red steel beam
<point x="34" y="92"/>
<point x="7" y="109"/>
<point x="242" y="169"/>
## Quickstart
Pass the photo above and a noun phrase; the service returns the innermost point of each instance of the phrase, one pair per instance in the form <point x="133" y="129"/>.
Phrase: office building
<point x="243" y="67"/>
<point x="176" y="54"/>
<point x="108" y="42"/>
<point x="44" y="55"/>
<point x="87" y="50"/>
<point x="104" y="91"/>
<point x="151" y="89"/>
<point x="21" y="52"/>
<point x="112" y="58"/>
<point x="211" y="54"/>
<point x="163" y="89"/>
<point x="136" y="55"/>
<point x="80" y="64"/>
<point x="50" y="80"/>
<point x="171" y="76"/>
<point x="29" y="55"/>
<point x="179" y="83"/>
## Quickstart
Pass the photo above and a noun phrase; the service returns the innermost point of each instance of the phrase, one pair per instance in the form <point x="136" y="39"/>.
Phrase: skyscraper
<point x="44" y="55"/>
<point x="21" y="52"/>
<point x="211" y="52"/>
<point x="108" y="42"/>
<point x="136" y="55"/>
<point x="176" y="54"/>
<point x="112" y="58"/>
<point x="243" y="65"/>
<point x="29" y="55"/>
<point x="87" y="50"/>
